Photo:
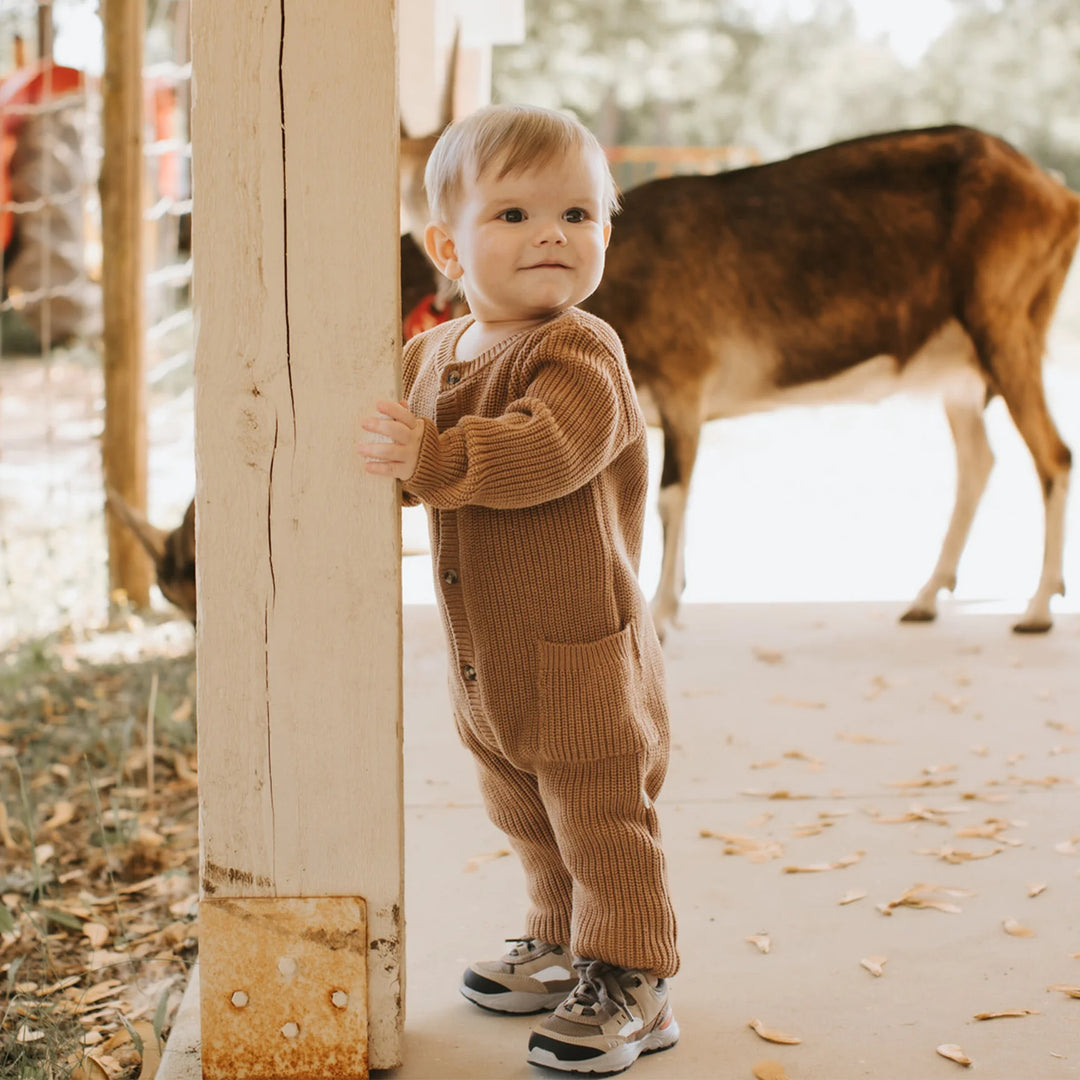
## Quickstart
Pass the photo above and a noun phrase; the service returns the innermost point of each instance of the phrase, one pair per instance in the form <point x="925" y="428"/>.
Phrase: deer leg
<point x="1052" y="463"/>
<point x="1018" y="374"/>
<point x="974" y="460"/>
<point x="680" y="449"/>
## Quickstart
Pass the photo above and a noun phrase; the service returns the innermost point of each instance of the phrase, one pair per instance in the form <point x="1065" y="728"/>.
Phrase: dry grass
<point x="98" y="853"/>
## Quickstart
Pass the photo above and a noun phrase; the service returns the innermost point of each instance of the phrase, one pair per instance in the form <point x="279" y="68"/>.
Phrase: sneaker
<point x="532" y="977"/>
<point x="610" y="1018"/>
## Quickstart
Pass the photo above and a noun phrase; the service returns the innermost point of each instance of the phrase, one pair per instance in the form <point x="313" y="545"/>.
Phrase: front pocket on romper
<point x="590" y="700"/>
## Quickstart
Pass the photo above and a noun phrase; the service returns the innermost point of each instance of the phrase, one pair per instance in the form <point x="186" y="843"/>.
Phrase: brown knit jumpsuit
<point x="533" y="468"/>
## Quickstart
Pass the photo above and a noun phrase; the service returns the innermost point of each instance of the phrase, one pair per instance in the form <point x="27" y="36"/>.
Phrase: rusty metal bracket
<point x="284" y="988"/>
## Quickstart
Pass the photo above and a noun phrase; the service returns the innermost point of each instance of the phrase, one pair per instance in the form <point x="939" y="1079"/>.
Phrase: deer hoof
<point x="918" y="615"/>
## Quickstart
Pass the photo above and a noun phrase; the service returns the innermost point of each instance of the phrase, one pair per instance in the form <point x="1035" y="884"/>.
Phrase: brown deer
<point x="931" y="257"/>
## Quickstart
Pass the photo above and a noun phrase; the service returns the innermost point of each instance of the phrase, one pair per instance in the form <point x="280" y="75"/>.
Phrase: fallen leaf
<point x="925" y="782"/>
<point x="768" y="656"/>
<point x="769" y="1070"/>
<point x="814" y="828"/>
<point x="859" y="737"/>
<point x="489" y="856"/>
<point x="875" y="965"/>
<point x="1071" y="991"/>
<point x="5" y="832"/>
<point x="851" y="896"/>
<point x="98" y="933"/>
<point x="98" y="993"/>
<point x="88" y="1069"/>
<point x="814" y="868"/>
<point x="774" y="1036"/>
<point x="185" y="772"/>
<point x="108" y="1065"/>
<point x="782" y="793"/>
<point x="801" y="755"/>
<point x="952" y="855"/>
<point x="26" y="1034"/>
<point x="63" y="813"/>
<point x="922" y="896"/>
<point x="1066" y="847"/>
<point x="1011" y="926"/>
<point x="63" y="984"/>
<point x="1002" y="1013"/>
<point x="1036" y="890"/>
<point x="762" y="941"/>
<point x="954" y="1053"/>
<point x="798" y="703"/>
<point x="754" y="849"/>
<point x="151" y="1053"/>
<point x="916" y="813"/>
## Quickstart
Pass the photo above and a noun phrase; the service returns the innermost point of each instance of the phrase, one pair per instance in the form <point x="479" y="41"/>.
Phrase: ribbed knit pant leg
<point x="514" y="805"/>
<point x="603" y="817"/>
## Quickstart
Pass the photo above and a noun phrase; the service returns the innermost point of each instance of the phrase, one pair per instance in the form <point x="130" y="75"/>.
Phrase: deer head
<point x="173" y="552"/>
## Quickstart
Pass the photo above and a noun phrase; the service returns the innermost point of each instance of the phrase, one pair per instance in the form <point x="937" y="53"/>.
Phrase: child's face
<point x="532" y="243"/>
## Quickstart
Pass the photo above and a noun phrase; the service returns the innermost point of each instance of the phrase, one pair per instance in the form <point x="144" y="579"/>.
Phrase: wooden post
<point x="123" y="443"/>
<point x="297" y="304"/>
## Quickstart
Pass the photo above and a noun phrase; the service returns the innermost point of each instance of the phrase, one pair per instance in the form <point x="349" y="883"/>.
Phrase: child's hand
<point x="399" y="456"/>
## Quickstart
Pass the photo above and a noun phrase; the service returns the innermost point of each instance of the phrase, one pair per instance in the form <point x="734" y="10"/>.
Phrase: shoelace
<point x="596" y="987"/>
<point x="521" y="946"/>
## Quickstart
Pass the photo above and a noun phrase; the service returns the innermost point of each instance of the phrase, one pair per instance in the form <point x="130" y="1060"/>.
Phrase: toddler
<point x="522" y="435"/>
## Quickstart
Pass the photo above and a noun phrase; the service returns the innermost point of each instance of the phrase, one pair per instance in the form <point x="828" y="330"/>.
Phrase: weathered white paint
<point x="299" y="640"/>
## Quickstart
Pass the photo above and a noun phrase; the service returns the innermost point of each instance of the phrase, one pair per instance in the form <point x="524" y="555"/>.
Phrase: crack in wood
<point x="285" y="219"/>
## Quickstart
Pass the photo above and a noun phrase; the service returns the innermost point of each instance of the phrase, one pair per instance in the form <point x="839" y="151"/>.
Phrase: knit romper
<point x="533" y="468"/>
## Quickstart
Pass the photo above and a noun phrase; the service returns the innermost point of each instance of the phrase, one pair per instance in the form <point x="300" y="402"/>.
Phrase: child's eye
<point x="575" y="215"/>
<point x="513" y="215"/>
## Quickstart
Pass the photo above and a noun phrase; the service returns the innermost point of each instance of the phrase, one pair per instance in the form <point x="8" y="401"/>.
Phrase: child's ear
<point x="442" y="251"/>
<point x="607" y="234"/>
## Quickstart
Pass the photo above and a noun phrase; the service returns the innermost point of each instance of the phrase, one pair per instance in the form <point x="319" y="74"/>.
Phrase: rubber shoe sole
<point x="545" y="1052"/>
<point x="495" y="998"/>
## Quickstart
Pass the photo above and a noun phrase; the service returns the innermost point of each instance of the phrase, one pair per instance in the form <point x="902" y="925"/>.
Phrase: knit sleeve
<point x="570" y="421"/>
<point x="410" y="367"/>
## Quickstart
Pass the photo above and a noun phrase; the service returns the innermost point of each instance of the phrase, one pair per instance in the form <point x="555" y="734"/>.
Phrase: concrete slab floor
<point x="808" y="735"/>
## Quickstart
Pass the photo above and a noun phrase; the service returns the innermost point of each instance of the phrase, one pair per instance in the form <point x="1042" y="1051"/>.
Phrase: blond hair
<point x="516" y="137"/>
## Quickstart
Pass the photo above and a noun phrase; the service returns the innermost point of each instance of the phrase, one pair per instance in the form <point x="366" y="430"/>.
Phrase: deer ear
<point x="442" y="250"/>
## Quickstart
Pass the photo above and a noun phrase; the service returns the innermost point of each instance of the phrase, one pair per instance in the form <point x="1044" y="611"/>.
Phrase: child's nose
<point x="551" y="232"/>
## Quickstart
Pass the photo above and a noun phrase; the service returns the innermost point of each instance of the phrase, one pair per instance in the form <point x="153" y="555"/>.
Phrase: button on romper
<point x="533" y="468"/>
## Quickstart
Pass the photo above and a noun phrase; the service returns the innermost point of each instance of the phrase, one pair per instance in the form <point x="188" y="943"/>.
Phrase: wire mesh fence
<point x="53" y="559"/>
